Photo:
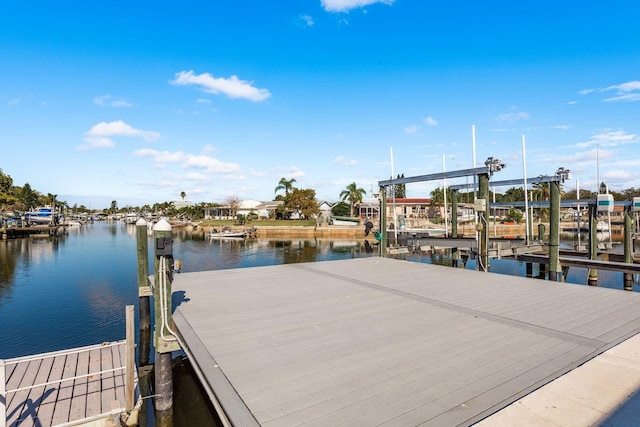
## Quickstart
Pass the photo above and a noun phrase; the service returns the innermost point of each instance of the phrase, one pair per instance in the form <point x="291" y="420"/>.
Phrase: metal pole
<point x="526" y="201"/>
<point x="554" y="231"/>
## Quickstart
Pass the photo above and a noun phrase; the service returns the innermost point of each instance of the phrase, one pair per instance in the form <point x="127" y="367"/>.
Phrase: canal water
<point x="71" y="290"/>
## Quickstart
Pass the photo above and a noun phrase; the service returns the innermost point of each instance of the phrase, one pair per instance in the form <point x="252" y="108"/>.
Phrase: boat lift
<point x="483" y="173"/>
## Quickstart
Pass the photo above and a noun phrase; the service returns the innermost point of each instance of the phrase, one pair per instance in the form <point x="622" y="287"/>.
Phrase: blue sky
<point x="139" y="101"/>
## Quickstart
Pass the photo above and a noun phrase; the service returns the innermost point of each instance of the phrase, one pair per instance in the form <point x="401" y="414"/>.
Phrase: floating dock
<point x="379" y="341"/>
<point x="88" y="385"/>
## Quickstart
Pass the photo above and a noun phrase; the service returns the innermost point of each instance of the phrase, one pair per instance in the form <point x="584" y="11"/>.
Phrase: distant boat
<point x="227" y="234"/>
<point x="41" y="215"/>
<point x="344" y="220"/>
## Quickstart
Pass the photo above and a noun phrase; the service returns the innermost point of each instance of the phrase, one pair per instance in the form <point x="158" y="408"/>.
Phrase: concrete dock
<point x="378" y="341"/>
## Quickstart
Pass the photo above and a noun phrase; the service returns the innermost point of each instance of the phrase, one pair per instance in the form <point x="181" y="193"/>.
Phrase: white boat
<point x="602" y="226"/>
<point x="41" y="215"/>
<point x="227" y="234"/>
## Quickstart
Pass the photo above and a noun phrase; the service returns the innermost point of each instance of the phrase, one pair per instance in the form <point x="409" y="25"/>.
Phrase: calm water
<point x="70" y="291"/>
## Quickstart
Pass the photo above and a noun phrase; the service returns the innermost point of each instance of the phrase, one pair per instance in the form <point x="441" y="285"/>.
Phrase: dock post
<point x="541" y="232"/>
<point x="628" y="247"/>
<point x="130" y="359"/>
<point x="164" y="341"/>
<point x="144" y="291"/>
<point x="383" y="221"/>
<point x="483" y="224"/>
<point x="593" y="245"/>
<point x="3" y="395"/>
<point x="454" y="214"/>
<point x="554" y="230"/>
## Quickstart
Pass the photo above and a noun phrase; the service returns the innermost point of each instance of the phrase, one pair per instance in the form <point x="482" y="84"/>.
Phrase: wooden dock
<point x="378" y="341"/>
<point x="64" y="387"/>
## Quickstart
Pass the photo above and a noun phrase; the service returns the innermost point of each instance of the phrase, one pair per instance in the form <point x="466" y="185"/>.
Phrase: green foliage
<point x="353" y="194"/>
<point x="302" y="201"/>
<point x="286" y="185"/>
<point x="399" y="190"/>
<point x="437" y="196"/>
<point x="514" y="215"/>
<point x="340" y="209"/>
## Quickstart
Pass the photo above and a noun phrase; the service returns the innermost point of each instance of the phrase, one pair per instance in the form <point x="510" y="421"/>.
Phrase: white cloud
<point x="512" y="116"/>
<point x="346" y="5"/>
<point x="344" y="161"/>
<point x="105" y="100"/>
<point x="411" y="130"/>
<point x="430" y="121"/>
<point x="586" y="156"/>
<point x="610" y="138"/>
<point x="203" y="101"/>
<point x="233" y="87"/>
<point x="307" y="20"/>
<point x="626" y="92"/>
<point x="207" y="163"/>
<point x="99" y="136"/>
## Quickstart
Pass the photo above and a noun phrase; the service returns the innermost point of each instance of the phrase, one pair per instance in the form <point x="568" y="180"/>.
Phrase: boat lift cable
<point x="163" y="302"/>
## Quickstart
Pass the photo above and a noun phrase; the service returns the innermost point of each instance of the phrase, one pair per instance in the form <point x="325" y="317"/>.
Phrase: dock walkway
<point x="64" y="387"/>
<point x="379" y="341"/>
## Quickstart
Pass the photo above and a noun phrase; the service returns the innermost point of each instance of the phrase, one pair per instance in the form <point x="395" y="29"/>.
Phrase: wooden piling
<point x="164" y="342"/>
<point x="454" y="214"/>
<point x="541" y="231"/>
<point x="554" y="230"/>
<point x="593" y="245"/>
<point x="383" y="221"/>
<point x="130" y="359"/>
<point x="143" y="274"/>
<point x="628" y="248"/>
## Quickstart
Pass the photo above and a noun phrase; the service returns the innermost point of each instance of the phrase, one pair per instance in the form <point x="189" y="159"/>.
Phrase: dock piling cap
<point x="162" y="225"/>
<point x="141" y="222"/>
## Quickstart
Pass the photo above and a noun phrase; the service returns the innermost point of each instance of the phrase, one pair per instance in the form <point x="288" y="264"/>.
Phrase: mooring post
<point x="593" y="244"/>
<point x="164" y="341"/>
<point x="541" y="232"/>
<point x="383" y="221"/>
<point x="483" y="225"/>
<point x="628" y="247"/>
<point x="144" y="291"/>
<point x="554" y="230"/>
<point x="130" y="359"/>
<point x="454" y="214"/>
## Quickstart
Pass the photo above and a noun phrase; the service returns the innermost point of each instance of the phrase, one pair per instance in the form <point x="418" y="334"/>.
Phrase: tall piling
<point x="164" y="341"/>
<point x="483" y="224"/>
<point x="454" y="214"/>
<point x="383" y="221"/>
<point x="554" y="231"/>
<point x="593" y="244"/>
<point x="144" y="291"/>
<point x="628" y="247"/>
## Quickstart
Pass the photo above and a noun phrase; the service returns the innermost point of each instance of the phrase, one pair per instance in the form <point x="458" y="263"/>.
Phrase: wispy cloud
<point x="411" y="130"/>
<point x="233" y="87"/>
<point x="625" y="92"/>
<point x="347" y="5"/>
<point x="512" y="116"/>
<point x="307" y="20"/>
<point x="585" y="156"/>
<point x="196" y="161"/>
<point x="101" y="134"/>
<point x="344" y="161"/>
<point x="106" y="100"/>
<point x="430" y="121"/>
<point x="610" y="138"/>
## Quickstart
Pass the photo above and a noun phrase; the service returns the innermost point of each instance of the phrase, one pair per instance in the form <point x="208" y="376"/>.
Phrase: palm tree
<point x="353" y="194"/>
<point x="285" y="184"/>
<point x="183" y="195"/>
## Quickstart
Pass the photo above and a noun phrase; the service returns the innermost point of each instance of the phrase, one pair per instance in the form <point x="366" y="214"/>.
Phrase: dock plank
<point x="375" y="340"/>
<point x="62" y="410"/>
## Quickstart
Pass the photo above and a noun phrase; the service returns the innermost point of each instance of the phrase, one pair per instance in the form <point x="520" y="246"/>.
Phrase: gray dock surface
<point x="378" y="341"/>
<point x="64" y="387"/>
